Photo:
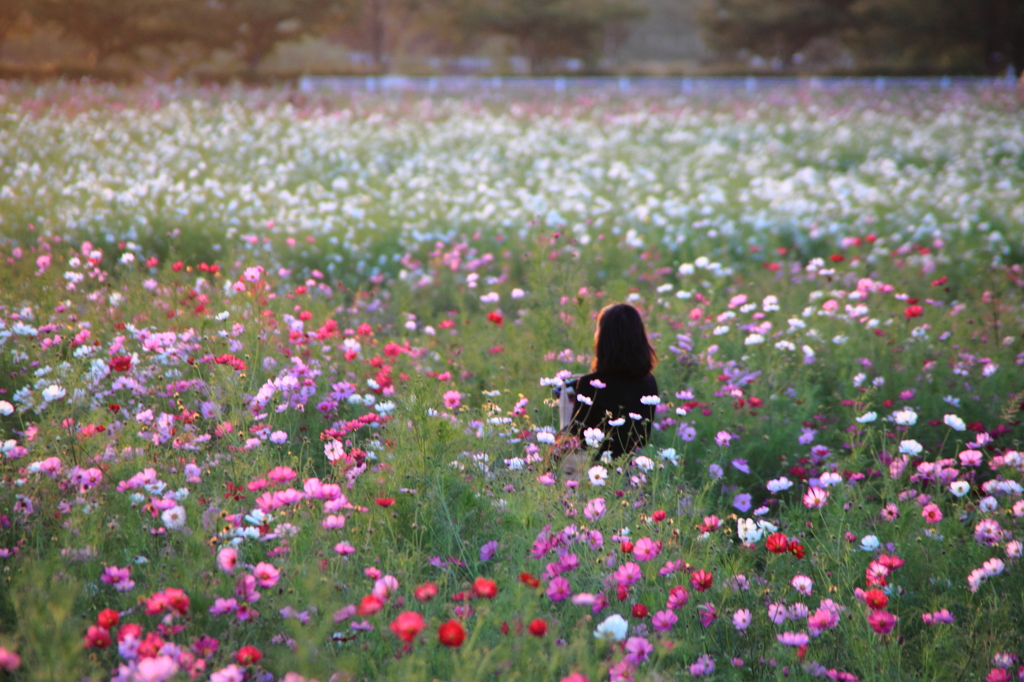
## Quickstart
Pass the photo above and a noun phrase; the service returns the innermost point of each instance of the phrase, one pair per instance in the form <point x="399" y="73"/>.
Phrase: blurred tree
<point x="255" y="27"/>
<point x="975" y="36"/>
<point x="548" y="29"/>
<point x="10" y="12"/>
<point x="112" y="27"/>
<point x="772" y="29"/>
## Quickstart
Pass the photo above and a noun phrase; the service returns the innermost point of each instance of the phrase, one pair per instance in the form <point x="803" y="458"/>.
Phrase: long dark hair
<point x="620" y="346"/>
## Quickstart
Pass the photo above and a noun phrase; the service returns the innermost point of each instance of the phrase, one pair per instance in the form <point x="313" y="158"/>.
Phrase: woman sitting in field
<point x="609" y="398"/>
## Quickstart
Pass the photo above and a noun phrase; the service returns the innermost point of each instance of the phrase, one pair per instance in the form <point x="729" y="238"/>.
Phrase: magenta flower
<point x="559" y="589"/>
<point x="646" y="549"/>
<point x="627" y="574"/>
<point x="882" y="621"/>
<point x="118" y="578"/>
<point x="822" y="619"/>
<point x="638" y="649"/>
<point x="708" y="614"/>
<point x="664" y="620"/>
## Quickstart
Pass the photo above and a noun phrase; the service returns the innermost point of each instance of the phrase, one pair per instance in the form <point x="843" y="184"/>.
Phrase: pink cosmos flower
<point x="970" y="458"/>
<point x="778" y="613"/>
<point x="793" y="638"/>
<point x="281" y="474"/>
<point x="118" y="578"/>
<point x="638" y="649"/>
<point x="384" y="587"/>
<point x="627" y="574"/>
<point x="333" y="522"/>
<point x="559" y="589"/>
<point x="723" y="437"/>
<point x="741" y="619"/>
<point x="646" y="549"/>
<point x="664" y="620"/>
<point x="931" y="513"/>
<point x="802" y="584"/>
<point x="452" y="399"/>
<point x="222" y="606"/>
<point x="815" y="498"/>
<point x="595" y="509"/>
<point x="823" y="619"/>
<point x="344" y="549"/>
<point x="678" y="597"/>
<point x="988" y="532"/>
<point x="227" y="558"/>
<point x="266" y="575"/>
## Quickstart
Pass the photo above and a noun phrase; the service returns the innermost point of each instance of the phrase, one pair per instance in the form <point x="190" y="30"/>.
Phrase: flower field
<point x="276" y="377"/>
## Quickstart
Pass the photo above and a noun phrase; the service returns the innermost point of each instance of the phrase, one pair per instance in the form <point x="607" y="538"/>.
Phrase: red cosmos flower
<point x="248" y="655"/>
<point x="537" y="627"/>
<point x="876" y="599"/>
<point x="129" y="630"/>
<point x="621" y="592"/>
<point x="178" y="266"/>
<point x="177" y="600"/>
<point x="701" y="580"/>
<point x="150" y="645"/>
<point x="912" y="311"/>
<point x="97" y="637"/>
<point x="837" y="258"/>
<point x="627" y="547"/>
<point x="659" y="516"/>
<point x="796" y="549"/>
<point x="108" y="618"/>
<point x="451" y="633"/>
<point x="504" y="629"/>
<point x="120" y="363"/>
<point x="385" y="501"/>
<point x="114" y="407"/>
<point x="495" y="317"/>
<point x="485" y="588"/>
<point x="369" y="605"/>
<point x="407" y="625"/>
<point x="426" y="591"/>
<point x="940" y="281"/>
<point x="639" y="611"/>
<point x="777" y="543"/>
<point x="891" y="561"/>
<point x="529" y="579"/>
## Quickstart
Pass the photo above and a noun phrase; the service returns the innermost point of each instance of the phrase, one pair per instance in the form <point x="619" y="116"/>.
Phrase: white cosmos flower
<point x="612" y="628"/>
<point x="174" y="518"/>
<point x="6" y="409"/>
<point x="910" y="447"/>
<point x="53" y="392"/>
<point x="598" y="475"/>
<point x="954" y="422"/>
<point x="867" y="418"/>
<point x="779" y="484"/>
<point x="869" y="543"/>
<point x="645" y="463"/>
<point x="670" y="455"/>
<point x="959" y="488"/>
<point x="593" y="437"/>
<point x="650" y="400"/>
<point x="905" y="417"/>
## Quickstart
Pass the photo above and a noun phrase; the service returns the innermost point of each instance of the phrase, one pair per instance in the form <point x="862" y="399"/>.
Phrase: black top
<point x="618" y="398"/>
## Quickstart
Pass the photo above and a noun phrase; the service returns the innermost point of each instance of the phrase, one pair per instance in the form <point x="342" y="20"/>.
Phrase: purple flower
<point x="488" y="550"/>
<point x="742" y="502"/>
<point x="807" y="436"/>
<point x="705" y="665"/>
<point x="715" y="471"/>
<point x="686" y="431"/>
<point x="741" y="465"/>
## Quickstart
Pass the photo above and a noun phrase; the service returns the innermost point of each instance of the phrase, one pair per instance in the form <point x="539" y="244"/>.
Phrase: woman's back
<point x="612" y="403"/>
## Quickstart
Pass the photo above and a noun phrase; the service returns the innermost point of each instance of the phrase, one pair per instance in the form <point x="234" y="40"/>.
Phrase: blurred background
<point x="268" y="40"/>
